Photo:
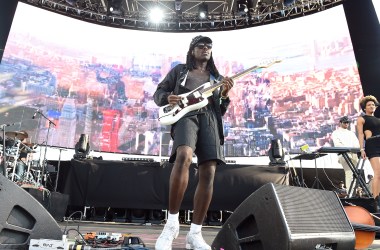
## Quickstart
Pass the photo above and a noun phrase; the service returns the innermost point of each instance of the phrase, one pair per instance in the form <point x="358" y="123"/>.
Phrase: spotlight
<point x="178" y="5"/>
<point x="138" y="216"/>
<point x="289" y="2"/>
<point x="276" y="153"/>
<point x="214" y="218"/>
<point x="203" y="11"/>
<point x="156" y="216"/>
<point x="71" y="2"/>
<point x="156" y="15"/>
<point x="114" y="6"/>
<point x="242" y="7"/>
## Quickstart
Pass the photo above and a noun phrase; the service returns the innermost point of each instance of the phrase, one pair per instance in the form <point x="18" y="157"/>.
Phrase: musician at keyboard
<point x="368" y="127"/>
<point x="343" y="137"/>
<point x="200" y="131"/>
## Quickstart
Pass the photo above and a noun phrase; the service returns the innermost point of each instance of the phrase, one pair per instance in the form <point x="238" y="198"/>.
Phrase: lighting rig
<point x="184" y="16"/>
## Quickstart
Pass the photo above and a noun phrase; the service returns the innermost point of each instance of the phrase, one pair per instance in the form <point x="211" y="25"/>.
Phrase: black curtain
<point x="7" y="11"/>
<point x="364" y="30"/>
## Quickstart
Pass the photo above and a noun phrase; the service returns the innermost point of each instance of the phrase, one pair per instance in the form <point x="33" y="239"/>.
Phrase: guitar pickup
<point x="168" y="108"/>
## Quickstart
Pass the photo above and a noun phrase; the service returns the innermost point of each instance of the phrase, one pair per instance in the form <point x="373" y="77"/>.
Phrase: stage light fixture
<point x="82" y="147"/>
<point x="214" y="218"/>
<point x="71" y="2"/>
<point x="178" y="5"/>
<point x="276" y="153"/>
<point x="242" y="7"/>
<point x="156" y="15"/>
<point x="203" y="11"/>
<point x="289" y="2"/>
<point x="114" y="6"/>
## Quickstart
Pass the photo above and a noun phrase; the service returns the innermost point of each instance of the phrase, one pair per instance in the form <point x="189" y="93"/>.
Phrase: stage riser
<point x="97" y="183"/>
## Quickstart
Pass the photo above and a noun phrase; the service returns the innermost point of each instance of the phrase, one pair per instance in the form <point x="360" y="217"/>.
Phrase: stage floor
<point x="148" y="233"/>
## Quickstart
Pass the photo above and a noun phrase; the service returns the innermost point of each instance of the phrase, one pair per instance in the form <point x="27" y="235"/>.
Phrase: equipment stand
<point x="310" y="156"/>
<point x="59" y="163"/>
<point x="317" y="183"/>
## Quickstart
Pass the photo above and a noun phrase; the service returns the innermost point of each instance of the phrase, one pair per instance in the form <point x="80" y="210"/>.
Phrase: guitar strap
<point x="212" y="80"/>
<point x="184" y="79"/>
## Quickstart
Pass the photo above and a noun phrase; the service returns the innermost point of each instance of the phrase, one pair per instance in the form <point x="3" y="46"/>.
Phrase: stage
<point x="149" y="233"/>
<point x="142" y="186"/>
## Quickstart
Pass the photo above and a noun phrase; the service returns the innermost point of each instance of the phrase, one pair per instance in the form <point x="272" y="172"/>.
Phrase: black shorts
<point x="372" y="147"/>
<point x="200" y="132"/>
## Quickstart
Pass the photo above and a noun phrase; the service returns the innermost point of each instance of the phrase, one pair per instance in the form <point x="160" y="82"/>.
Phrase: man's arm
<point x="338" y="139"/>
<point x="228" y="83"/>
<point x="165" y="87"/>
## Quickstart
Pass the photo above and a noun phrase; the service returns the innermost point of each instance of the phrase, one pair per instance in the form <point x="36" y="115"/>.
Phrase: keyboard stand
<point x="310" y="156"/>
<point x="357" y="177"/>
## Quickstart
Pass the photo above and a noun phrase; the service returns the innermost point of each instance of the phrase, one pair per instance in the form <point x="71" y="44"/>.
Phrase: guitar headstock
<point x="269" y="62"/>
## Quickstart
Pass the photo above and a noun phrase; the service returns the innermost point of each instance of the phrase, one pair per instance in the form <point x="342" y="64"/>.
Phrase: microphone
<point x="35" y="113"/>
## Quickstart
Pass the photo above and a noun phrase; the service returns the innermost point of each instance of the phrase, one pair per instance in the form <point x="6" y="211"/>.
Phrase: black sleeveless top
<point x="372" y="124"/>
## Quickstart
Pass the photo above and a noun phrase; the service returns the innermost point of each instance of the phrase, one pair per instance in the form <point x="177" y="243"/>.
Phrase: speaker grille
<point x="312" y="211"/>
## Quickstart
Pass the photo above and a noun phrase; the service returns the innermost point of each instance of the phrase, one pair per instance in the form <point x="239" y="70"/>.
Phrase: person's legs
<point x="375" y="163"/>
<point x="179" y="179"/>
<point x="20" y="169"/>
<point x="202" y="199"/>
<point x="348" y="174"/>
<point x="203" y="193"/>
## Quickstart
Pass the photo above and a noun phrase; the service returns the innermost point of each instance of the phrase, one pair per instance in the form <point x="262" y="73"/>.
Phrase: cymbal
<point x="21" y="135"/>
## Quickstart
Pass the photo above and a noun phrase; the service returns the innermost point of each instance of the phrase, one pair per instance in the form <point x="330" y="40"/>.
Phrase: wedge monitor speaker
<point x="285" y="217"/>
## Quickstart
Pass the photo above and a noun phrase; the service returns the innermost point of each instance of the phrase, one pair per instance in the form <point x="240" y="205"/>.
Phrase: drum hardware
<point x="17" y="153"/>
<point x="2" y="128"/>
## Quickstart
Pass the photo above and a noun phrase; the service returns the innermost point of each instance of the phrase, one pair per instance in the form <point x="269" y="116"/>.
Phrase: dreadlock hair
<point x="190" y="63"/>
<point x="368" y="98"/>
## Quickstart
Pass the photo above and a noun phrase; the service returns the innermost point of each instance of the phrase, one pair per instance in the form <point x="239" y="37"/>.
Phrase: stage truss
<point x="222" y="14"/>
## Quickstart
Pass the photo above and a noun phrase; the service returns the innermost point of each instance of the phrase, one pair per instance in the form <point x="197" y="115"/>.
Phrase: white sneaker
<point x="196" y="241"/>
<point x="169" y="233"/>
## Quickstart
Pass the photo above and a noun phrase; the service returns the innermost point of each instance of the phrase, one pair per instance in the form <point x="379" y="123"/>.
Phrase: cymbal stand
<point x="44" y="163"/>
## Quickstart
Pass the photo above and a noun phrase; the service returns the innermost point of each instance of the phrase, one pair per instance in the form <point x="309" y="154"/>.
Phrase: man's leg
<point x="203" y="193"/>
<point x="202" y="199"/>
<point x="179" y="179"/>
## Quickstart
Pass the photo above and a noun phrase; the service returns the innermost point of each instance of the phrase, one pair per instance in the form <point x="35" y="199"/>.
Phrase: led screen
<point x="89" y="79"/>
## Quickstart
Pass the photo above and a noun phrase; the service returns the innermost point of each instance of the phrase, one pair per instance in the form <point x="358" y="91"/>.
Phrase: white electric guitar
<point x="197" y="98"/>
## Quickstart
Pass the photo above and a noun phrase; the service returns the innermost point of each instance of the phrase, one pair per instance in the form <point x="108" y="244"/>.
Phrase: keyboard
<point x="338" y="150"/>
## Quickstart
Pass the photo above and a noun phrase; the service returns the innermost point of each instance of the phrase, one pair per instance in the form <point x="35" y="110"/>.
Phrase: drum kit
<point x="17" y="155"/>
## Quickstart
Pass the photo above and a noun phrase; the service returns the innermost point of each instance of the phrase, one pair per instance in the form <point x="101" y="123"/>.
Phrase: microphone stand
<point x="44" y="163"/>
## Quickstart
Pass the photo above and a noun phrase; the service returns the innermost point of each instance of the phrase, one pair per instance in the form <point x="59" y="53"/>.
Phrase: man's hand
<point x="174" y="99"/>
<point x="228" y="83"/>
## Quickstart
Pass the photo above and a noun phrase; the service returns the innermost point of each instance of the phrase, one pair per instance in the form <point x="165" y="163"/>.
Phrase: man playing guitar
<point x="198" y="131"/>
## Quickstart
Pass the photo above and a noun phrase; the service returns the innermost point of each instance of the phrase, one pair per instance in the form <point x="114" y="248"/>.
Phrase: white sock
<point x="173" y="217"/>
<point x="194" y="228"/>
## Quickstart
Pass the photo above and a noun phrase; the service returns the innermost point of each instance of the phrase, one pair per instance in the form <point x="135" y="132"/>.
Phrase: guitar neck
<point x="238" y="75"/>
